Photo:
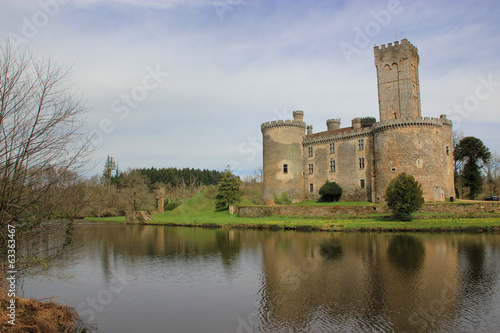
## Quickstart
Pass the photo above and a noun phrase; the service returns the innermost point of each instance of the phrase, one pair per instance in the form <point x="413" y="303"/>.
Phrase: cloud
<point x="233" y="65"/>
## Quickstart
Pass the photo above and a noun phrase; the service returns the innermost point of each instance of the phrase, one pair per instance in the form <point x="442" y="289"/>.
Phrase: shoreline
<point x="273" y="227"/>
<point x="493" y="228"/>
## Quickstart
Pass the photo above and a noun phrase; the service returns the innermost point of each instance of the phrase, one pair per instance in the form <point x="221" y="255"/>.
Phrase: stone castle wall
<point x="346" y="156"/>
<point x="332" y="210"/>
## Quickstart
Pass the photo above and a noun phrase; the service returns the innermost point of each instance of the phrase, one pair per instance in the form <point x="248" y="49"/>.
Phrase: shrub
<point x="404" y="196"/>
<point x="284" y="200"/>
<point x="211" y="192"/>
<point x="171" y="206"/>
<point x="329" y="192"/>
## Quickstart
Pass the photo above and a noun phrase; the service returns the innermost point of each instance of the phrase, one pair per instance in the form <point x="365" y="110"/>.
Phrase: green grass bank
<point x="199" y="212"/>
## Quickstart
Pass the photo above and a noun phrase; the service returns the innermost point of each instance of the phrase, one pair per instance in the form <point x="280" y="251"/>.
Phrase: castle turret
<point x="397" y="80"/>
<point x="298" y="115"/>
<point x="333" y="124"/>
<point x="309" y="130"/>
<point x="282" y="157"/>
<point x="356" y="123"/>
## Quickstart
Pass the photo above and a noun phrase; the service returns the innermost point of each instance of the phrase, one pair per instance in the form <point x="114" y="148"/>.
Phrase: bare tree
<point x="42" y="139"/>
<point x="492" y="170"/>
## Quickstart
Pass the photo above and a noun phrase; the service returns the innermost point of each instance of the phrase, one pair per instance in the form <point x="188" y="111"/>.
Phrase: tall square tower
<point x="397" y="80"/>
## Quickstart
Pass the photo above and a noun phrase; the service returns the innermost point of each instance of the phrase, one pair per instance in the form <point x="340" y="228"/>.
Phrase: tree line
<point x="175" y="177"/>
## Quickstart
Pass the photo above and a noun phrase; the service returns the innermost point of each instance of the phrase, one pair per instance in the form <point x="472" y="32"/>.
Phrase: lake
<point x="133" y="278"/>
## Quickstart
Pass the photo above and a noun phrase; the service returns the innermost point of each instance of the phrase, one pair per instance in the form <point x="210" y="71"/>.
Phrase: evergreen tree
<point x="109" y="167"/>
<point x="228" y="191"/>
<point x="470" y="151"/>
<point x="329" y="192"/>
<point x="404" y="196"/>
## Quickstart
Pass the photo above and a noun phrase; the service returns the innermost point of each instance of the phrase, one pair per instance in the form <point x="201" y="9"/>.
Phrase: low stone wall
<point x="455" y="208"/>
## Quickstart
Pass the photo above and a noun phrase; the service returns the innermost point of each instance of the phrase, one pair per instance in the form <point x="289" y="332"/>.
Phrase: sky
<point x="188" y="83"/>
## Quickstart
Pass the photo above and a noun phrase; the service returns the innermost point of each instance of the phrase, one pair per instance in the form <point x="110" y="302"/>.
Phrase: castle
<point x="366" y="156"/>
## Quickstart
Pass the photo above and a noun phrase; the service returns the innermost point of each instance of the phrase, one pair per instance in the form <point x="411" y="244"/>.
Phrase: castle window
<point x="447" y="150"/>
<point x="332" y="166"/>
<point x="362" y="183"/>
<point x="311" y="169"/>
<point x="393" y="169"/>
<point x="361" y="144"/>
<point x="285" y="168"/>
<point x="332" y="148"/>
<point x="310" y="151"/>
<point x="361" y="162"/>
<point x="311" y="187"/>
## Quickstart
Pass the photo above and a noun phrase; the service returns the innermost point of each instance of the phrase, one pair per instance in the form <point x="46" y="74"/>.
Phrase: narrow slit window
<point x="362" y="183"/>
<point x="311" y="187"/>
<point x="285" y="168"/>
<point x="361" y="162"/>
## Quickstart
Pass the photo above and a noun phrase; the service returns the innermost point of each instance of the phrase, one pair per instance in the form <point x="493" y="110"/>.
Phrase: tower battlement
<point x="404" y="43"/>
<point x="418" y="122"/>
<point x="298" y="117"/>
<point x="282" y="123"/>
<point x="333" y="124"/>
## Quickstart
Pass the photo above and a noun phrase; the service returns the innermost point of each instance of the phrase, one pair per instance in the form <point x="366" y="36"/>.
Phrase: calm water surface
<point x="169" y="279"/>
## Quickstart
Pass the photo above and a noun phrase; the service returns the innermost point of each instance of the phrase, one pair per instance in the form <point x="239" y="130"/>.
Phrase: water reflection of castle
<point x="339" y="282"/>
<point x="356" y="282"/>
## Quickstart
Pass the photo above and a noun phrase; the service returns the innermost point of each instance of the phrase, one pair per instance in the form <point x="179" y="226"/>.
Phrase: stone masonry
<point x="366" y="156"/>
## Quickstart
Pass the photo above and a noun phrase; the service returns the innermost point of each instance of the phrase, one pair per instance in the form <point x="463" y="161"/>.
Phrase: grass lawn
<point x="199" y="210"/>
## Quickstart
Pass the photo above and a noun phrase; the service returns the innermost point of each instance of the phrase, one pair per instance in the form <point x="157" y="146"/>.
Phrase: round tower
<point x="282" y="158"/>
<point x="421" y="148"/>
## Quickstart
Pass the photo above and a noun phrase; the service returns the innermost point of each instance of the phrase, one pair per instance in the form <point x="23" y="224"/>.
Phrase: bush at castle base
<point x="404" y="196"/>
<point x="329" y="192"/>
